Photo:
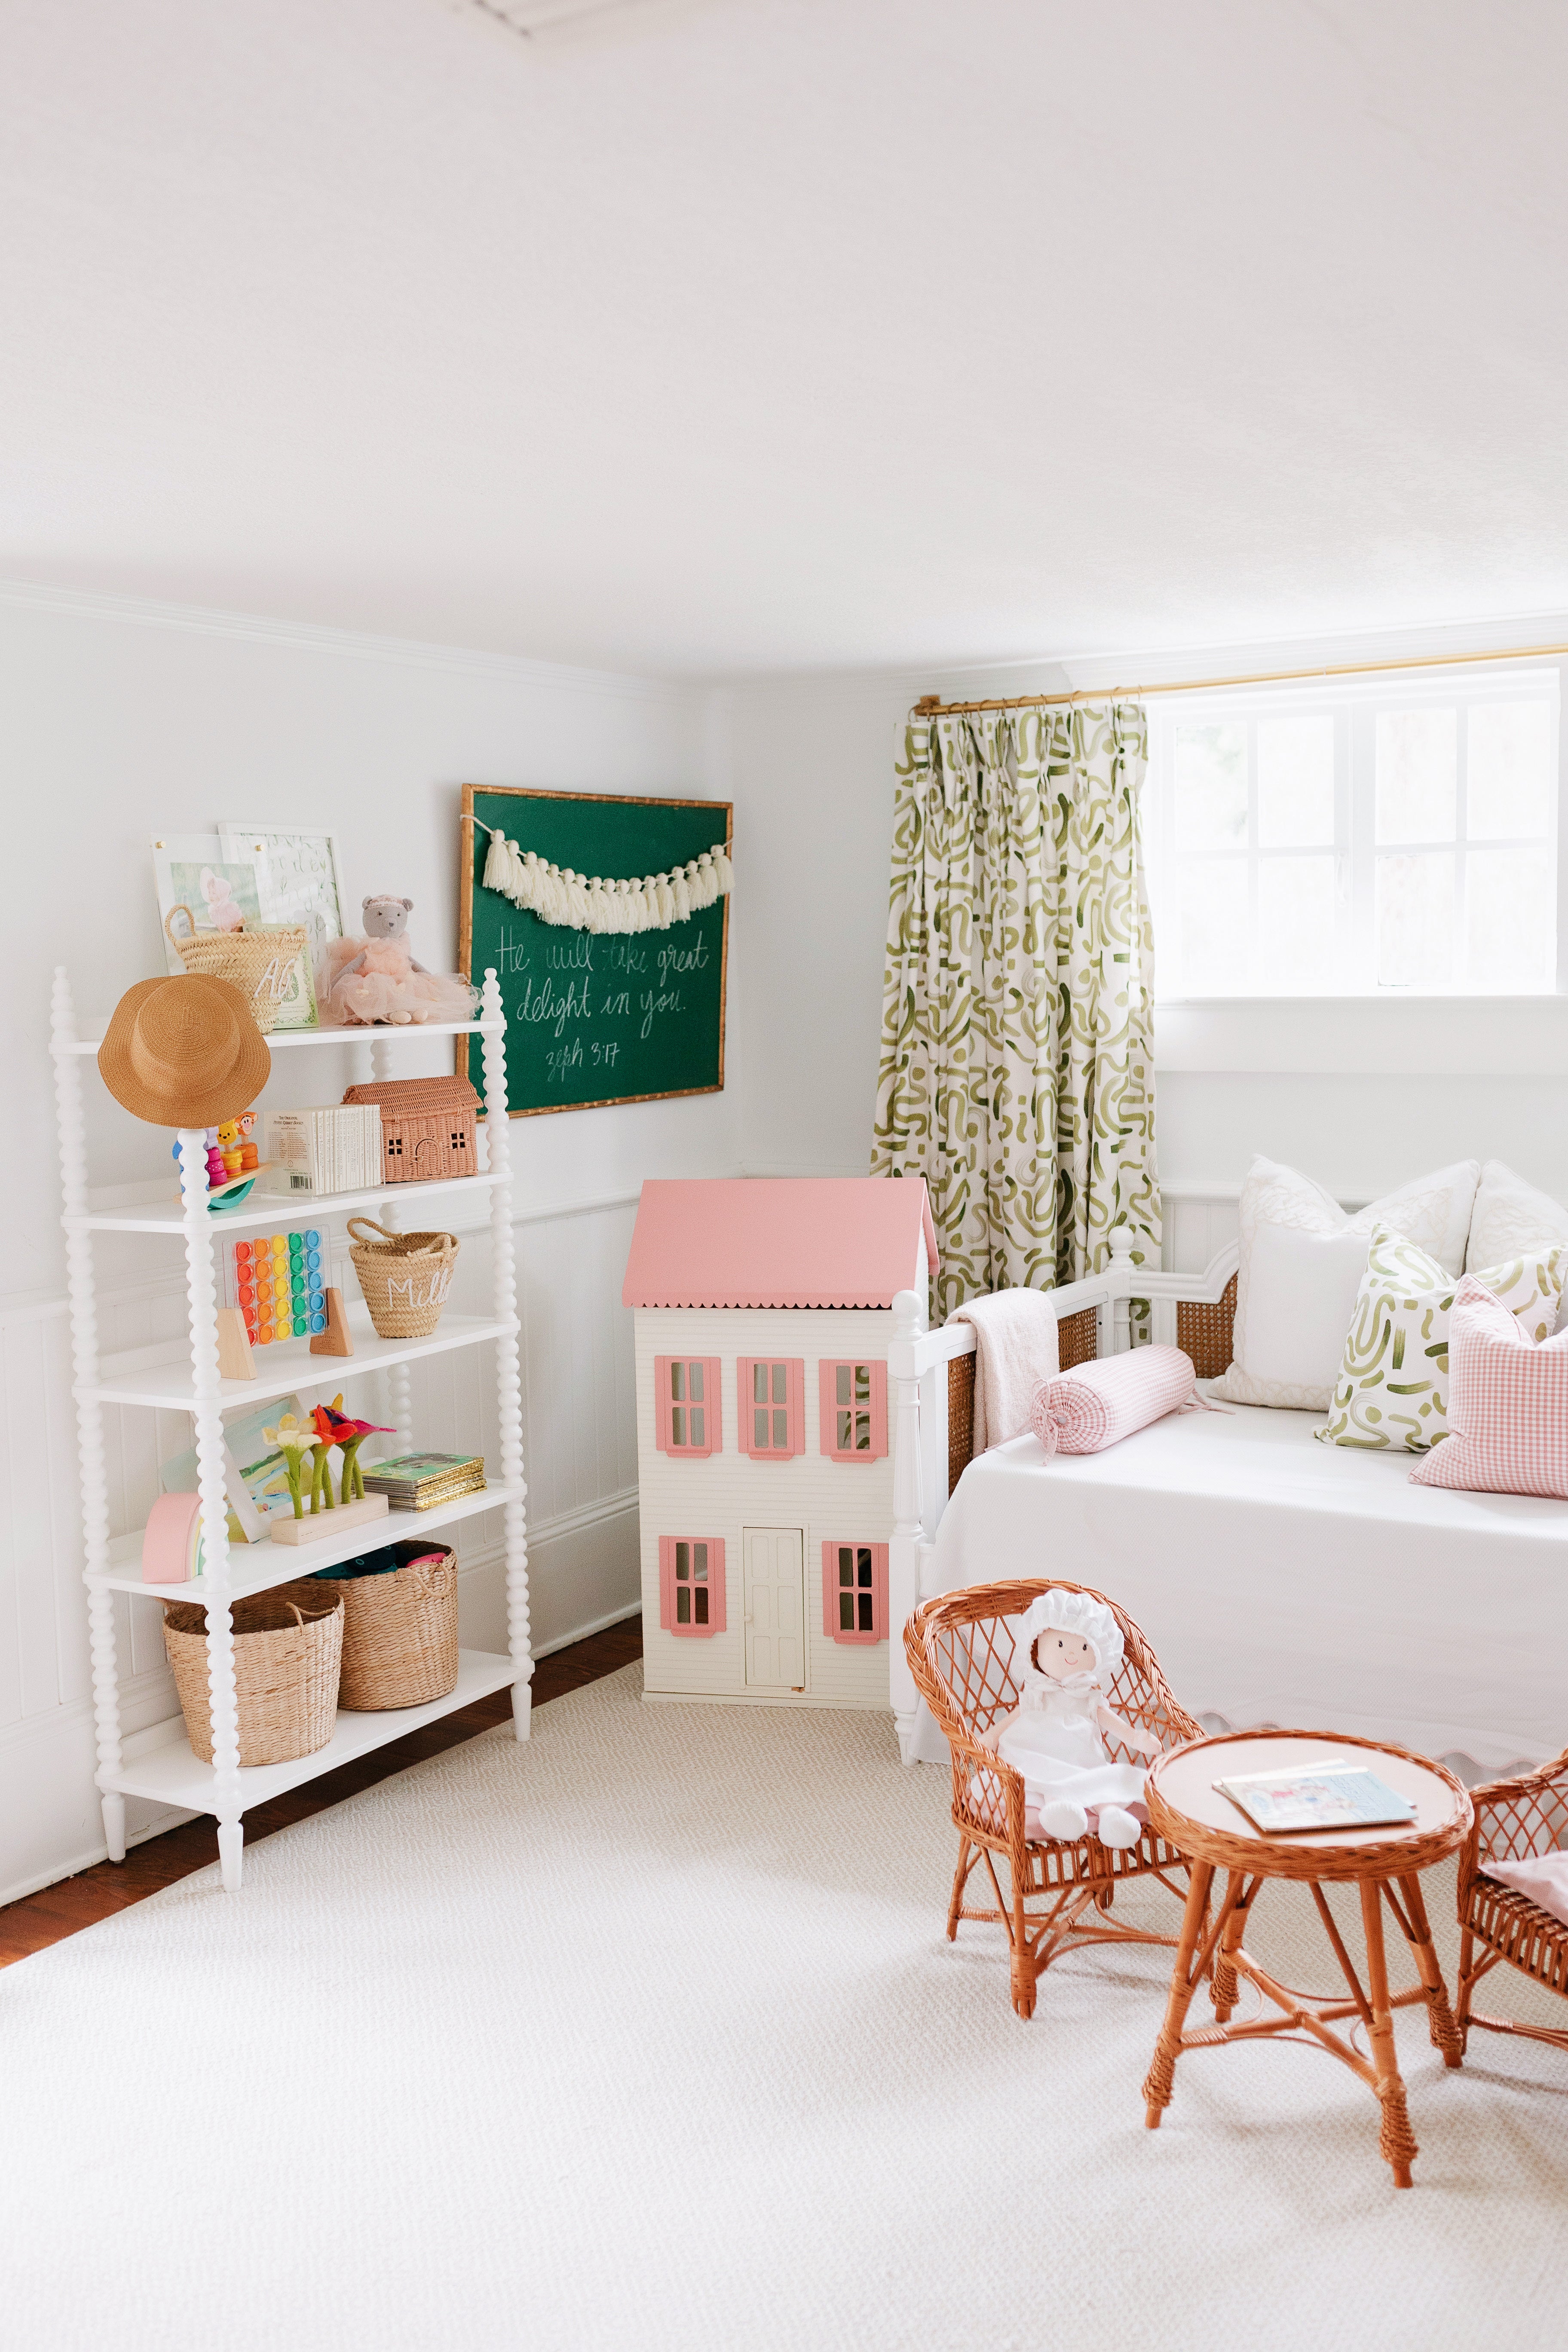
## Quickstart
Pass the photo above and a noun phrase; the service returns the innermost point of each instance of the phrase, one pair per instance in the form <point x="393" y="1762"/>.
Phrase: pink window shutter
<point x="827" y="1373"/>
<point x="666" y="1583"/>
<point x="713" y="1424"/>
<point x="717" y="1617"/>
<point x="795" y="1389"/>
<point x="831" y="1589"/>
<point x="661" y="1365"/>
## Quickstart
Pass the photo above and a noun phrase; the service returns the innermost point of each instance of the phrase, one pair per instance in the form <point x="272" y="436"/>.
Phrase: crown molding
<point x="308" y="636"/>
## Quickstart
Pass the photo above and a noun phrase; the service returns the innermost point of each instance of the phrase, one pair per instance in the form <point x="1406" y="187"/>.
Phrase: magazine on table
<point x="1324" y="1797"/>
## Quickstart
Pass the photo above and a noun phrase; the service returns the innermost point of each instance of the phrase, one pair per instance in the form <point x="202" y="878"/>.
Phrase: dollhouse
<point x="764" y="1312"/>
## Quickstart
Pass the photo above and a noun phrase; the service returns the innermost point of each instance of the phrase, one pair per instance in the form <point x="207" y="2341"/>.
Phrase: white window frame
<point x="1355" y="705"/>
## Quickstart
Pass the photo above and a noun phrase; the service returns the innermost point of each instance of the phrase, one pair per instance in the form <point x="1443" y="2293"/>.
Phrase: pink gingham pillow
<point x="1084" y="1410"/>
<point x="1508" y="1404"/>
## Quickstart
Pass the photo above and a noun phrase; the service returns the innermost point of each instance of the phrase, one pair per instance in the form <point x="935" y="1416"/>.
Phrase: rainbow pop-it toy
<point x="279" y="1282"/>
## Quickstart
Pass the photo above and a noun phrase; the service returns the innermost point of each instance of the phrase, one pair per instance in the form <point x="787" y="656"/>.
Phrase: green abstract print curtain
<point x="1017" y="1064"/>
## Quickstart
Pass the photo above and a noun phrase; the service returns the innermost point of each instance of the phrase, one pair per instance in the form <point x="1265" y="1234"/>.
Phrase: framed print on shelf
<point x="300" y="880"/>
<point x="222" y="893"/>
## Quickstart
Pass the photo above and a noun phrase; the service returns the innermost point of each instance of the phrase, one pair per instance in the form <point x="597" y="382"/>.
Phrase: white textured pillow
<point x="1295" y="1296"/>
<point x="1511" y="1217"/>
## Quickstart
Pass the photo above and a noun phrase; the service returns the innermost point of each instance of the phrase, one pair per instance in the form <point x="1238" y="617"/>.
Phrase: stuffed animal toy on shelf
<point x="376" y="979"/>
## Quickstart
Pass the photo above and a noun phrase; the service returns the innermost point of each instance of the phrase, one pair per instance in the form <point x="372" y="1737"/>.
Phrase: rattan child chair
<point x="1514" y="1819"/>
<point x="961" y="1653"/>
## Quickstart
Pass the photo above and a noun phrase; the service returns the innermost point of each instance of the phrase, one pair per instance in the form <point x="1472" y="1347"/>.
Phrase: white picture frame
<point x="179" y="863"/>
<point x="300" y="881"/>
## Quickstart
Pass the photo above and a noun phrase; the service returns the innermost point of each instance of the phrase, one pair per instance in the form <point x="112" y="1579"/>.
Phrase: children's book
<point x="1331" y="1797"/>
<point x="256" y="1477"/>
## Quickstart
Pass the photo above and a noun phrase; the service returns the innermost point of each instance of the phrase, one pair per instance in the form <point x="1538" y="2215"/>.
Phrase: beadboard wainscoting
<point x="580" y="1460"/>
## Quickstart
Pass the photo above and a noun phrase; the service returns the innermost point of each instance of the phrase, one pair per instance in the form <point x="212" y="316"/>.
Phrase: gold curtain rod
<point x="930" y="705"/>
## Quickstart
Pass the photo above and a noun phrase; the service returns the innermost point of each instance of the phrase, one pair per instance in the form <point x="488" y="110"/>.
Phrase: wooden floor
<point x="75" y="1903"/>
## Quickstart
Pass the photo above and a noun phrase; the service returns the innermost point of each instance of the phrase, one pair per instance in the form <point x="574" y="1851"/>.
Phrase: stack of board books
<point x="336" y="1149"/>
<point x="417" y="1482"/>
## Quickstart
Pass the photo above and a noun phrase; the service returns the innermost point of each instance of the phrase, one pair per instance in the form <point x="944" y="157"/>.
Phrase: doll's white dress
<point x="1055" y="1743"/>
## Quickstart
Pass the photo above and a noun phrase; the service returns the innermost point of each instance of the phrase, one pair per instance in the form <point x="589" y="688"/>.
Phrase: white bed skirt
<point x="1281" y="1581"/>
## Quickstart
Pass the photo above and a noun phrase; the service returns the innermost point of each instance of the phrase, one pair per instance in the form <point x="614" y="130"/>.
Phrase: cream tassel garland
<point x="581" y="902"/>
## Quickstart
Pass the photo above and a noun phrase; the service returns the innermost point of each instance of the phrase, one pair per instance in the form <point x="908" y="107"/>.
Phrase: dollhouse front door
<point x="775" y="1600"/>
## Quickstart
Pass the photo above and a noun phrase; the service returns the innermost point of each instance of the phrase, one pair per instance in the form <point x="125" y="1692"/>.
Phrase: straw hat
<point x="184" y="1052"/>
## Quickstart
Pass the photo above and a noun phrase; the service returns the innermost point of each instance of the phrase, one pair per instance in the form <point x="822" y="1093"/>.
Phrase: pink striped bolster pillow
<point x="1086" y="1410"/>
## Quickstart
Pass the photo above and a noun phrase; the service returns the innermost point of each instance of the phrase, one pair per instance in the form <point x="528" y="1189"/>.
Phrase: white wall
<point x="121" y="721"/>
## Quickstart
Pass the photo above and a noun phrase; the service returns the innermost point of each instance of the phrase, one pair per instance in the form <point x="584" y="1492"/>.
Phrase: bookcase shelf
<point x="183" y="1376"/>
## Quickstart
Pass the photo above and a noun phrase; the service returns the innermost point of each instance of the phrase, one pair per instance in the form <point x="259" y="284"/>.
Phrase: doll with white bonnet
<point x="1072" y="1645"/>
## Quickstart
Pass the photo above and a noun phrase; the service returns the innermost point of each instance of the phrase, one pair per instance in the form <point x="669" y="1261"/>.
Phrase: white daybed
<point x="1279" y="1580"/>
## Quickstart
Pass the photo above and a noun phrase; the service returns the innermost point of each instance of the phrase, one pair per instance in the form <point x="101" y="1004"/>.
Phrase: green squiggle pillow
<point x="1392" y="1393"/>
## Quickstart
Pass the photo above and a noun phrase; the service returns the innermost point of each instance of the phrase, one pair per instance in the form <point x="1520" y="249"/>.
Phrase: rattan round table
<point x="1192" y="1814"/>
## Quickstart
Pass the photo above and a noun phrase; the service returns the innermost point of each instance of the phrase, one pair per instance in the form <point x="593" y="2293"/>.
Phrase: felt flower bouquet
<point x="327" y="1425"/>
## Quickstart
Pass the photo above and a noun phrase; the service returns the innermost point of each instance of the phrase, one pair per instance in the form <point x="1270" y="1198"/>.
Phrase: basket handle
<point x="370" y="1224"/>
<point x="190" y="931"/>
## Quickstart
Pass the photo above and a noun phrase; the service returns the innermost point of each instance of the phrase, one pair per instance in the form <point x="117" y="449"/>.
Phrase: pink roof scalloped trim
<point x="777" y="1241"/>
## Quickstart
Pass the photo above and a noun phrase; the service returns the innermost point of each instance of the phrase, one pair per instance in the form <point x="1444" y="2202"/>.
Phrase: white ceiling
<point x="760" y="334"/>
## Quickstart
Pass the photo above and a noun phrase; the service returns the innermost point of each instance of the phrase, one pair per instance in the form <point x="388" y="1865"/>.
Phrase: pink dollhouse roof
<point x="777" y="1241"/>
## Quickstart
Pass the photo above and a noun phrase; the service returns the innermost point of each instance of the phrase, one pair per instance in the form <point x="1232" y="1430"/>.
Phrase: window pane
<point x="700" y="1560"/>
<point x="703" y="1605"/>
<point x="843" y="1384"/>
<point x="696" y="1416"/>
<point x="1415" y="921"/>
<point x="1211" y="787"/>
<point x="678" y="1379"/>
<point x="678" y="1424"/>
<point x="781" y="1431"/>
<point x="862" y="1382"/>
<point x="862" y="1433"/>
<point x="1508" y="780"/>
<point x="847" y="1613"/>
<point x="866" y="1626"/>
<point x="780" y="1384"/>
<point x="1296" y="922"/>
<point x="759" y="1383"/>
<point x="696" y="1383"/>
<point x="1416" y="767"/>
<point x="683" y="1560"/>
<point x="1296" y="783"/>
<point x="683" y="1604"/>
<point x="1511" y="919"/>
<point x="846" y="1432"/>
<point x="863" y="1562"/>
<point x="846" y="1564"/>
<point x="760" y="1430"/>
<point x="1214" y="925"/>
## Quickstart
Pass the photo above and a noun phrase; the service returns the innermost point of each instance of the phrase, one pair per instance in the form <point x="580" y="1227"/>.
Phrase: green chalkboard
<point x="595" y="1017"/>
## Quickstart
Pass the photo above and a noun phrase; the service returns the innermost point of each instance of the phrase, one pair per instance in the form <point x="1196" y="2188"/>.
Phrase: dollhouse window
<point x="770" y="1394"/>
<point x="854" y="1401"/>
<point x="855" y="1592"/>
<point x="691" y="1585"/>
<point x="686" y="1392"/>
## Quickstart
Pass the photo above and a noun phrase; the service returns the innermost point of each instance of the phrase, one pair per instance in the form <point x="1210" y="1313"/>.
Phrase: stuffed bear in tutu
<point x="1073" y="1646"/>
<point x="376" y="979"/>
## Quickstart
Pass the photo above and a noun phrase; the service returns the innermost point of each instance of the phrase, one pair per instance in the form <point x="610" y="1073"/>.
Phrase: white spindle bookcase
<point x="184" y="1377"/>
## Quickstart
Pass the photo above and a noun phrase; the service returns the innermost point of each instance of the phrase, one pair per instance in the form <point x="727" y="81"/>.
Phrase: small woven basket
<point x="400" y="1631"/>
<point x="287" y="1650"/>
<point x="258" y="963"/>
<point x="404" y="1277"/>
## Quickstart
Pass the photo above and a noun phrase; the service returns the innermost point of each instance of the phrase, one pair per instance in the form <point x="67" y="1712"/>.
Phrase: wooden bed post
<point x="904" y="1546"/>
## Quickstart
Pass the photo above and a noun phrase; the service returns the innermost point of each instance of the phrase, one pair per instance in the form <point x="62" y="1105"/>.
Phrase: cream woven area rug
<point x="648" y="2035"/>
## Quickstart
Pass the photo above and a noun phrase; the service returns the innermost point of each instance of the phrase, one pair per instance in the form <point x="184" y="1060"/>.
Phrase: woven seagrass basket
<point x="404" y="1277"/>
<point x="400" y="1631"/>
<point x="258" y="963"/>
<point x="288" y="1649"/>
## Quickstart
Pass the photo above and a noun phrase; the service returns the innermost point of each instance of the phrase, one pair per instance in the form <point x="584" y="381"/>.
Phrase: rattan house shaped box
<point x="763" y="1310"/>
